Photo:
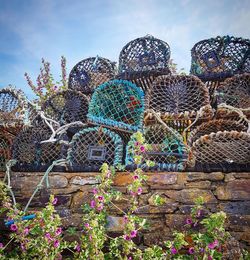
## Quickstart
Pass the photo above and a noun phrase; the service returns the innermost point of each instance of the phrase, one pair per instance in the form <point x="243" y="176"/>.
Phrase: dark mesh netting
<point x="222" y="151"/>
<point x="67" y="106"/>
<point x="179" y="97"/>
<point x="166" y="149"/>
<point x="118" y="104"/>
<point x="220" y="57"/>
<point x="5" y="144"/>
<point x="30" y="153"/>
<point x="235" y="92"/>
<point x="13" y="107"/>
<point x="93" y="146"/>
<point x="215" y="126"/>
<point x="144" y="56"/>
<point x="90" y="73"/>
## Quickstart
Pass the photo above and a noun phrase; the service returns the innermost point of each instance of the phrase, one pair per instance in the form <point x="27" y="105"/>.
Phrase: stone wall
<point x="229" y="192"/>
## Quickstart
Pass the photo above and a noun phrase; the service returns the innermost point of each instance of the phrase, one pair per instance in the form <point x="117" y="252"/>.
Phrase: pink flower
<point x="92" y="204"/>
<point x="59" y="257"/>
<point x="48" y="236"/>
<point x="135" y="177"/>
<point x="56" y="243"/>
<point x="55" y="200"/>
<point x="142" y="149"/>
<point x="213" y="245"/>
<point x="189" y="221"/>
<point x="191" y="250"/>
<point x="26" y="231"/>
<point x="209" y="257"/>
<point x="108" y="174"/>
<point x="126" y="237"/>
<point x="130" y="258"/>
<point x="1" y="245"/>
<point x="78" y="248"/>
<point x="100" y="207"/>
<point x="133" y="233"/>
<point x="199" y="212"/>
<point x="173" y="251"/>
<point x="136" y="143"/>
<point x="100" y="198"/>
<point x="59" y="231"/>
<point x="90" y="237"/>
<point x="95" y="190"/>
<point x="139" y="191"/>
<point x="13" y="227"/>
<point x="125" y="219"/>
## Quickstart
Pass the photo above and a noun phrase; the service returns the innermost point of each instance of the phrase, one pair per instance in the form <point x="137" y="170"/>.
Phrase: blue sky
<point x="77" y="29"/>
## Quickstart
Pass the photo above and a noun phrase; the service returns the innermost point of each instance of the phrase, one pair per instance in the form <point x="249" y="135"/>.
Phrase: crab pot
<point x="13" y="108"/>
<point x="89" y="73"/>
<point x="166" y="150"/>
<point x="117" y="104"/>
<point x="143" y="59"/>
<point x="177" y="100"/>
<point x="5" y="144"/>
<point x="93" y="146"/>
<point x="219" y="58"/>
<point x="235" y="92"/>
<point x="31" y="154"/>
<point x="225" y="151"/>
<point x="67" y="106"/>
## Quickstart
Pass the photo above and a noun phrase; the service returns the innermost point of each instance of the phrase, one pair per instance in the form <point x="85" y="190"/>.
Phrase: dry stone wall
<point x="229" y="192"/>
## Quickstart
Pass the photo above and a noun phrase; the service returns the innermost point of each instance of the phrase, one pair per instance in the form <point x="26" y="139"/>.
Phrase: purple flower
<point x="209" y="257"/>
<point x="23" y="248"/>
<point x="92" y="204"/>
<point x="142" y="149"/>
<point x="59" y="231"/>
<point x="130" y="258"/>
<point x="127" y="237"/>
<point x="56" y="243"/>
<point x="214" y="244"/>
<point x="95" y="190"/>
<point x="87" y="225"/>
<point x="78" y="248"/>
<point x="189" y="221"/>
<point x="135" y="177"/>
<point x="26" y="231"/>
<point x="100" y="207"/>
<point x="191" y="250"/>
<point x="48" y="236"/>
<point x="1" y="245"/>
<point x="13" y="227"/>
<point x="173" y="251"/>
<point x="108" y="174"/>
<point x="133" y="233"/>
<point x="136" y="143"/>
<point x="199" y="212"/>
<point x="55" y="200"/>
<point x="139" y="191"/>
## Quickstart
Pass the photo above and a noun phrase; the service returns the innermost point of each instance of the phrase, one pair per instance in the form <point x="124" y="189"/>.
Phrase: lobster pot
<point x="66" y="107"/>
<point x="166" y="149"/>
<point x="142" y="59"/>
<point x="93" y="146"/>
<point x="221" y="57"/>
<point x="222" y="151"/>
<point x="234" y="92"/>
<point x="5" y="144"/>
<point x="177" y="99"/>
<point x="117" y="104"/>
<point x="215" y="126"/>
<point x="90" y="73"/>
<point x="13" y="108"/>
<point x="30" y="153"/>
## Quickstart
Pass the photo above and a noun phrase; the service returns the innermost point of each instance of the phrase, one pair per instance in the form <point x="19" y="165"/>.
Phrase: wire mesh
<point x="30" y="153"/>
<point x="5" y="144"/>
<point x="235" y="92"/>
<point x="117" y="104"/>
<point x="144" y="55"/>
<point x="222" y="151"/>
<point x="67" y="106"/>
<point x="93" y="146"/>
<point x="165" y="149"/>
<point x="215" y="126"/>
<point x="179" y="97"/>
<point x="220" y="57"/>
<point x="13" y="107"/>
<point x="90" y="73"/>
